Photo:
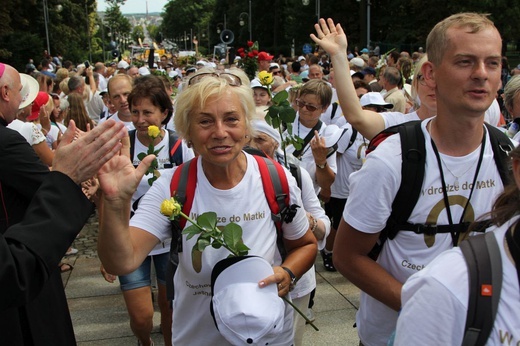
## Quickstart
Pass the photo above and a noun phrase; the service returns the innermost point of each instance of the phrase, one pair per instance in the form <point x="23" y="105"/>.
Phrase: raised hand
<point x="118" y="179"/>
<point x="330" y="37"/>
<point x="81" y="158"/>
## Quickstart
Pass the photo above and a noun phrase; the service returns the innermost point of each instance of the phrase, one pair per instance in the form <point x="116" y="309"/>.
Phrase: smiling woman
<point x="214" y="115"/>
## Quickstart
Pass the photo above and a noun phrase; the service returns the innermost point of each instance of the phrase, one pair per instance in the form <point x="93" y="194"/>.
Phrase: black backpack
<point x="413" y="161"/>
<point x="175" y="148"/>
<point x="484" y="262"/>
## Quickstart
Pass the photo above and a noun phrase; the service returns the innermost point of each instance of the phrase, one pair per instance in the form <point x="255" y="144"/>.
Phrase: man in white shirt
<point x="119" y="87"/>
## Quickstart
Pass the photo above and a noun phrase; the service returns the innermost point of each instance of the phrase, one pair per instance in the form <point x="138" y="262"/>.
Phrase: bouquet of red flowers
<point x="248" y="59"/>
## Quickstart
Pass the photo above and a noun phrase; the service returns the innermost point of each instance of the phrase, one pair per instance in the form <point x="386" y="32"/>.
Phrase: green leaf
<point x="196" y="258"/>
<point x="191" y="231"/>
<point x="150" y="148"/>
<point x="151" y="180"/>
<point x="289" y="127"/>
<point x="207" y="220"/>
<point x="268" y="120"/>
<point x="276" y="123"/>
<point x="242" y="249"/>
<point x="232" y="235"/>
<point x="281" y="96"/>
<point x="202" y="244"/>
<point x="287" y="114"/>
<point x="141" y="156"/>
<point x="216" y="244"/>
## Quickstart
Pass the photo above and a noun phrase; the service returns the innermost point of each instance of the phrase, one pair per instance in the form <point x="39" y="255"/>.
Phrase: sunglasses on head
<point x="231" y="79"/>
<point x="310" y="108"/>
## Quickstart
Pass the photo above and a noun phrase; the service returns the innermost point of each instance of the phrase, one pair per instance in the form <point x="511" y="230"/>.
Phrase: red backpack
<point x="182" y="187"/>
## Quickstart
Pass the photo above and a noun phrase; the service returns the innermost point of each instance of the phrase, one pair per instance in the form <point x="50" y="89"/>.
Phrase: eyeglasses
<point x="310" y="108"/>
<point x="231" y="79"/>
<point x="276" y="72"/>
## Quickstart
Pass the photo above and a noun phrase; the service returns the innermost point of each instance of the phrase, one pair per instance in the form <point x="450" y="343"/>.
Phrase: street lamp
<point x="317" y="9"/>
<point x="241" y="22"/>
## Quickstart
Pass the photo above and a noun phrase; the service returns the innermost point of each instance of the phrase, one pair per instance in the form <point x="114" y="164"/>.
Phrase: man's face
<point x="468" y="77"/>
<point x="315" y="72"/>
<point x="133" y="72"/>
<point x="10" y="88"/>
<point x="119" y="91"/>
<point x="263" y="65"/>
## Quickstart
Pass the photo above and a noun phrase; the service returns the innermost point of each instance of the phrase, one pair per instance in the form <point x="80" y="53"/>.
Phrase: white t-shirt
<point x="408" y="252"/>
<point x="162" y="158"/>
<point x="129" y="125"/>
<point x="338" y="118"/>
<point x="312" y="205"/>
<point x="348" y="161"/>
<point x="307" y="159"/>
<point x="435" y="301"/>
<point x="94" y="105"/>
<point x="244" y="204"/>
<point x="29" y="131"/>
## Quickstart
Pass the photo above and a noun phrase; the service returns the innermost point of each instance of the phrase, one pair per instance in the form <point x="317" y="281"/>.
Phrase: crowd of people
<point x="354" y="111"/>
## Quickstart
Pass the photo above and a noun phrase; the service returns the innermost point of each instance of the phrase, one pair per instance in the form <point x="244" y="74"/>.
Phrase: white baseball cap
<point x="374" y="99"/>
<point x="144" y="71"/>
<point x="122" y="64"/>
<point x="244" y="312"/>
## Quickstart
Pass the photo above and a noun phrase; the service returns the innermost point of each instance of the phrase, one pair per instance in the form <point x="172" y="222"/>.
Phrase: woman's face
<point x="56" y="110"/>
<point x="309" y="118"/>
<point x="145" y="113"/>
<point x="514" y="110"/>
<point x="426" y="96"/>
<point x="218" y="130"/>
<point x="264" y="143"/>
<point x="261" y="97"/>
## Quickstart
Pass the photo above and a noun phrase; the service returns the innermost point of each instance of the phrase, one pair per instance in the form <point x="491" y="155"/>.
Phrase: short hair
<point x="74" y="83"/>
<point x="437" y="42"/>
<point x="99" y="66"/>
<point x="316" y="66"/>
<point x="405" y="64"/>
<point x="64" y="86"/>
<point x="152" y="88"/>
<point x="417" y="75"/>
<point x="296" y="66"/>
<point x="320" y="88"/>
<point x="511" y="90"/>
<point x="392" y="75"/>
<point x="194" y="97"/>
<point x="45" y="62"/>
<point x="362" y="84"/>
<point x="118" y="77"/>
<point x="61" y="74"/>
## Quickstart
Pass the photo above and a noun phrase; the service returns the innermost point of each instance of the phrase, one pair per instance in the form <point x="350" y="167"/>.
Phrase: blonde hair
<point x="194" y="97"/>
<point x="77" y="112"/>
<point x="417" y="74"/>
<point x="437" y="41"/>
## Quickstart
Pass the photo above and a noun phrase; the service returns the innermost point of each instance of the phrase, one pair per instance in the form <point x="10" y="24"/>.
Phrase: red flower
<point x="242" y="54"/>
<point x="255" y="52"/>
<point x="251" y="55"/>
<point x="240" y="50"/>
<point x="250" y="43"/>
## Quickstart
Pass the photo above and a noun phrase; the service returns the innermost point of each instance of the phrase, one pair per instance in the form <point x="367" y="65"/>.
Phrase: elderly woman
<point x="512" y="103"/>
<point x="214" y="115"/>
<point x="268" y="140"/>
<point x="150" y="105"/>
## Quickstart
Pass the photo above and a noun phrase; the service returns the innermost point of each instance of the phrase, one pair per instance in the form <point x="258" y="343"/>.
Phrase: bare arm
<point x="333" y="40"/>
<point x="91" y="80"/>
<point x="351" y="248"/>
<point x="121" y="248"/>
<point x="44" y="153"/>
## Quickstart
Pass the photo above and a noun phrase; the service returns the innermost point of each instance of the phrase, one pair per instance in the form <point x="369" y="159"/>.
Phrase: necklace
<point x="456" y="183"/>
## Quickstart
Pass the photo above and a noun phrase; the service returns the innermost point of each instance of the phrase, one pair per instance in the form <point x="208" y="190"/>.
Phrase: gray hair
<point x="511" y="90"/>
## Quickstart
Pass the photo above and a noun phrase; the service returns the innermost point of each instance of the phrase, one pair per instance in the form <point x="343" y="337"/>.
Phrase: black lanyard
<point x="514" y="249"/>
<point x="456" y="233"/>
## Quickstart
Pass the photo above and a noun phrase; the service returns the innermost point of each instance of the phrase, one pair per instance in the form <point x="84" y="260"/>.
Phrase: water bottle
<point x="513" y="129"/>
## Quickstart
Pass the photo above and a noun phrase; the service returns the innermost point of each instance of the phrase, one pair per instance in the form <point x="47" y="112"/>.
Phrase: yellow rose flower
<point x="265" y="78"/>
<point x="170" y="207"/>
<point x="153" y="131"/>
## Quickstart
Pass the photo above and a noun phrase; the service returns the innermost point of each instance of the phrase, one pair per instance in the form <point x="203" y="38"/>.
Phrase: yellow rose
<point x="170" y="207"/>
<point x="153" y="131"/>
<point x="265" y="78"/>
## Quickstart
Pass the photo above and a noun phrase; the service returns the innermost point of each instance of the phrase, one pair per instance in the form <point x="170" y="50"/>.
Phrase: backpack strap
<point x="502" y="146"/>
<point x="175" y="149"/>
<point x="413" y="154"/>
<point x="276" y="189"/>
<point x="484" y="262"/>
<point x="307" y="139"/>
<point x="352" y="138"/>
<point x="334" y="109"/>
<point x="131" y="135"/>
<point x="182" y="186"/>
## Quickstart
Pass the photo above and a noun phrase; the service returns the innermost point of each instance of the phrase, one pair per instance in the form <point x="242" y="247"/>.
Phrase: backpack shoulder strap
<point x="484" y="262"/>
<point x="276" y="189"/>
<point x="502" y="146"/>
<point x="352" y="138"/>
<point x="182" y="186"/>
<point x="296" y="172"/>
<point x="334" y="109"/>
<point x="175" y="148"/>
<point x="131" y="135"/>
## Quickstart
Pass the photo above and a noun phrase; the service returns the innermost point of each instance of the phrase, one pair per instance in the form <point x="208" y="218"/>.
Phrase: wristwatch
<point x="294" y="280"/>
<point x="322" y="166"/>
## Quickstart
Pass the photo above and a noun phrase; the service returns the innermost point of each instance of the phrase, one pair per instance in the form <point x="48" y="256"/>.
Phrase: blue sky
<point x="137" y="6"/>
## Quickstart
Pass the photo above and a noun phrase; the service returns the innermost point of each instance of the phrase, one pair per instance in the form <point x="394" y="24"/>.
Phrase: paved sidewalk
<point x="100" y="318"/>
